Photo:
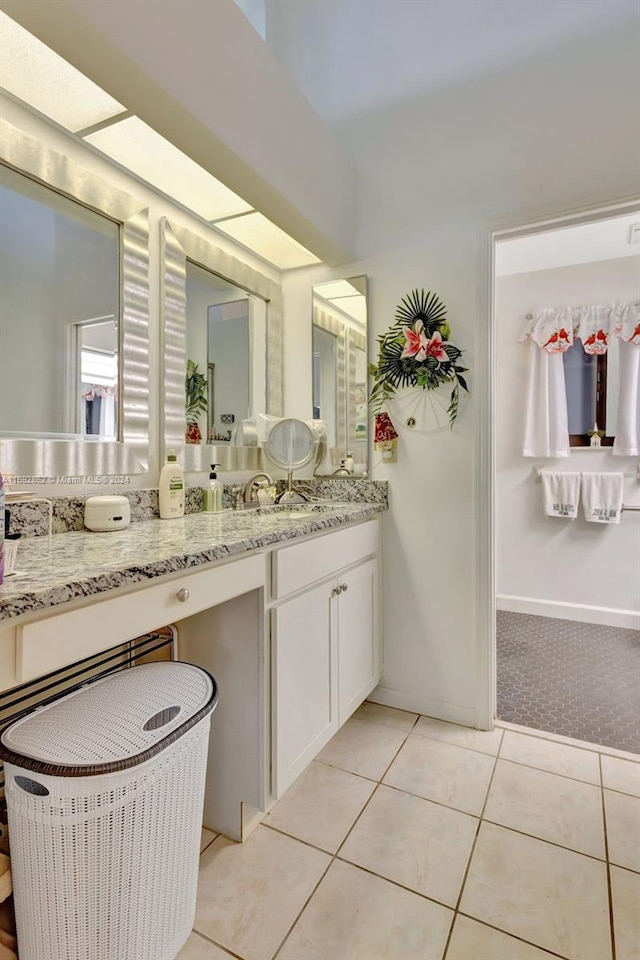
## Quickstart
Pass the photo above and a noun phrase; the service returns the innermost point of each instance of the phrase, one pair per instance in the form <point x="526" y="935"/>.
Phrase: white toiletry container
<point x="107" y="513"/>
<point x="105" y="790"/>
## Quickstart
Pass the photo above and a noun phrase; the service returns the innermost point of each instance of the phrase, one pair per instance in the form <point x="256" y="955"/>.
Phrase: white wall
<point x="437" y="174"/>
<point x="541" y="558"/>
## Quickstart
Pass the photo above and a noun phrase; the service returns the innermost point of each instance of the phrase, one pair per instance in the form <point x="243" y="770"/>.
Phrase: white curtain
<point x="551" y="331"/>
<point x="546" y="426"/>
<point x="627" y="439"/>
<point x="108" y="416"/>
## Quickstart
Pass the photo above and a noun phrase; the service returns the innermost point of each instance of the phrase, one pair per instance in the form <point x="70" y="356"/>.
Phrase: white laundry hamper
<point x="105" y="790"/>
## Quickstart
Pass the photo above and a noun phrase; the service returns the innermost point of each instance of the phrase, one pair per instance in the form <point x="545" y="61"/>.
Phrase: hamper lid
<point x="113" y="723"/>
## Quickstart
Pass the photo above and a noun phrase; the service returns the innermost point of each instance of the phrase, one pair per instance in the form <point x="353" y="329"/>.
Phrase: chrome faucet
<point x="251" y="484"/>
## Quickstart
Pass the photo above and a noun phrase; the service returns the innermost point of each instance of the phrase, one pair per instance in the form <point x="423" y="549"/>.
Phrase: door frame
<point x="485" y="472"/>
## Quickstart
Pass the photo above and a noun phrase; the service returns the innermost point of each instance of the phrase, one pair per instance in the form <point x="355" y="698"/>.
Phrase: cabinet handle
<point x="344" y="588"/>
<point x="183" y="595"/>
<point x="336" y="591"/>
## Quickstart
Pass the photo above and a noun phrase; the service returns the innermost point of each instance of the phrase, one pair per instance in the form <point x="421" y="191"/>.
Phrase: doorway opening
<point x="567" y="488"/>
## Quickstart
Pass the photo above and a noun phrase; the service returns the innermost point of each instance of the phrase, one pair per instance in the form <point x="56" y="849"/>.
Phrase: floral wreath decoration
<point x="416" y="352"/>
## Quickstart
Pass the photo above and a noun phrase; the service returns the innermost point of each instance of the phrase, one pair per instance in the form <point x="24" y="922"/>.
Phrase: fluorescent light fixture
<point x="345" y="297"/>
<point x="333" y="289"/>
<point x="41" y="78"/>
<point x="140" y="149"/>
<point x="356" y="307"/>
<point x="268" y="241"/>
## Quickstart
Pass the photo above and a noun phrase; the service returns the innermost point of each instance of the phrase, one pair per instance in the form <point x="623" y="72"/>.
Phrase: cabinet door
<point x="358" y="637"/>
<point x="304" y="664"/>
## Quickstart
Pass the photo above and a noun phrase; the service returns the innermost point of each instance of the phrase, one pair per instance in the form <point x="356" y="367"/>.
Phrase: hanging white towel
<point x="561" y="492"/>
<point x="602" y="497"/>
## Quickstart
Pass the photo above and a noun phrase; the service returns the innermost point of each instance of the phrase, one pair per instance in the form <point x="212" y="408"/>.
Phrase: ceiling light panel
<point x="35" y="74"/>
<point x="332" y="289"/>
<point x="268" y="241"/>
<point x="140" y="149"/>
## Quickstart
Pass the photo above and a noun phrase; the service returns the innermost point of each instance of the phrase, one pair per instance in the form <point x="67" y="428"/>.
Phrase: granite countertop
<point x="82" y="564"/>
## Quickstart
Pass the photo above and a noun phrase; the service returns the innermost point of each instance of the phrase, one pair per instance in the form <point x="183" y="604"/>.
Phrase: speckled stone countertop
<point x="82" y="564"/>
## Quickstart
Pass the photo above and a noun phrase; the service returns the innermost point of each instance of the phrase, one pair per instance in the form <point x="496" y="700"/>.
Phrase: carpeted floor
<point x="577" y="679"/>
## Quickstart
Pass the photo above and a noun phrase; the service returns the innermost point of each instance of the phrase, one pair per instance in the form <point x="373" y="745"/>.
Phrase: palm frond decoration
<point x="415" y="352"/>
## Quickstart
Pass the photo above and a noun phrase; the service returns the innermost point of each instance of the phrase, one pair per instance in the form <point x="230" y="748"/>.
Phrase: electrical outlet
<point x="389" y="450"/>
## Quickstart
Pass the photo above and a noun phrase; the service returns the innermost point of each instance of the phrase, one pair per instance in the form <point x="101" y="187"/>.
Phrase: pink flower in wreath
<point x="416" y="345"/>
<point x="434" y="348"/>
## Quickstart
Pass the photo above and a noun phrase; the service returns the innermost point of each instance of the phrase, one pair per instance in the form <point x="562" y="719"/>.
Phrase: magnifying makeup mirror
<point x="291" y="445"/>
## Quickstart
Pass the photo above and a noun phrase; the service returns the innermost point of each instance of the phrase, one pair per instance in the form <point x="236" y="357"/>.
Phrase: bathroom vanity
<point x="281" y="606"/>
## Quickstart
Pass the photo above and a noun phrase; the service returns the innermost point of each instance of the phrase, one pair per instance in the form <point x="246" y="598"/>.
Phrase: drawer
<point x="298" y="566"/>
<point x="47" y="645"/>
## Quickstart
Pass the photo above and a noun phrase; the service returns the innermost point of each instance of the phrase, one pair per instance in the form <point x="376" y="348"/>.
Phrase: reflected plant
<point x="196" y="392"/>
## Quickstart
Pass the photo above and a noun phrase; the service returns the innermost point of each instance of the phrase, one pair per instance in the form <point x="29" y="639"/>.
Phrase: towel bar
<point x="538" y="471"/>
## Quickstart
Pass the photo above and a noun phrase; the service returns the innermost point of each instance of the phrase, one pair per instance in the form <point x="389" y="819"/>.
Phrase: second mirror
<point x="340" y="372"/>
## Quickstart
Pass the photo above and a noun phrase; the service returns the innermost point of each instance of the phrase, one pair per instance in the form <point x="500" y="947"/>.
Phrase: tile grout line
<point x="608" y="864"/>
<point x="334" y="856"/>
<point x="502" y="826"/>
<point x="481" y="817"/>
<point x="530" y="943"/>
<point x="548" y="736"/>
<point x="203" y="936"/>
<point x="565" y="776"/>
<point x="456" y="908"/>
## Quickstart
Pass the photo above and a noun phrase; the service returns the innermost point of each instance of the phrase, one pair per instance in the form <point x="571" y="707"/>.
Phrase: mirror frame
<point x="60" y="458"/>
<point x="177" y="245"/>
<point x="356" y="341"/>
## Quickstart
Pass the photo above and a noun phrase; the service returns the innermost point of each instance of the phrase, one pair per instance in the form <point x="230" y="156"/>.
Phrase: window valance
<point x="556" y="328"/>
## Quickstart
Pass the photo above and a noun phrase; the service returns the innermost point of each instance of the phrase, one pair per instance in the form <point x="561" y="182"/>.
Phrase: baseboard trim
<point x="583" y="613"/>
<point x="439" y="709"/>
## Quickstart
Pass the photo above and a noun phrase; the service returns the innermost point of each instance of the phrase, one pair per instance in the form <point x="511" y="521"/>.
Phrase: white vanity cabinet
<point x="291" y="634"/>
<point x="325" y="644"/>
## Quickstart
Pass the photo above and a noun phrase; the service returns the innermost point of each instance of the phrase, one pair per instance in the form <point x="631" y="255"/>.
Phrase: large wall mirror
<point x="222" y="323"/>
<point x="74" y="358"/>
<point x="340" y="370"/>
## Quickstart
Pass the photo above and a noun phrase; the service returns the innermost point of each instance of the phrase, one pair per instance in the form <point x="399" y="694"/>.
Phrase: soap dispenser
<point x="213" y="494"/>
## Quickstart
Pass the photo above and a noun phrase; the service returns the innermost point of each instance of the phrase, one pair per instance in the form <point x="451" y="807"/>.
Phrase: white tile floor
<point x="413" y="839"/>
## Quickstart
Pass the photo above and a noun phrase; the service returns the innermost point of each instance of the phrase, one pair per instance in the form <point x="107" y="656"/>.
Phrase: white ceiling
<point x="566" y="246"/>
<point x="352" y="56"/>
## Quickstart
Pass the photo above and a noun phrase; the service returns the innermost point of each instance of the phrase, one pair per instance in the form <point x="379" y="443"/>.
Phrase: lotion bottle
<point x="349" y="462"/>
<point x="171" y="488"/>
<point x="213" y="494"/>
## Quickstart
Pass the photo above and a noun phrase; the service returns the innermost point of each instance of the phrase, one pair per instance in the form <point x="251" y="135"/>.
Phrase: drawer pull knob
<point x="183" y="595"/>
<point x="344" y="587"/>
<point x="335" y="591"/>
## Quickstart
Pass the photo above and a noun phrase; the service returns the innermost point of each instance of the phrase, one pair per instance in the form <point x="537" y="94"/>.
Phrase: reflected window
<point x="591" y="387"/>
<point x="325" y="381"/>
<point x="59" y="275"/>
